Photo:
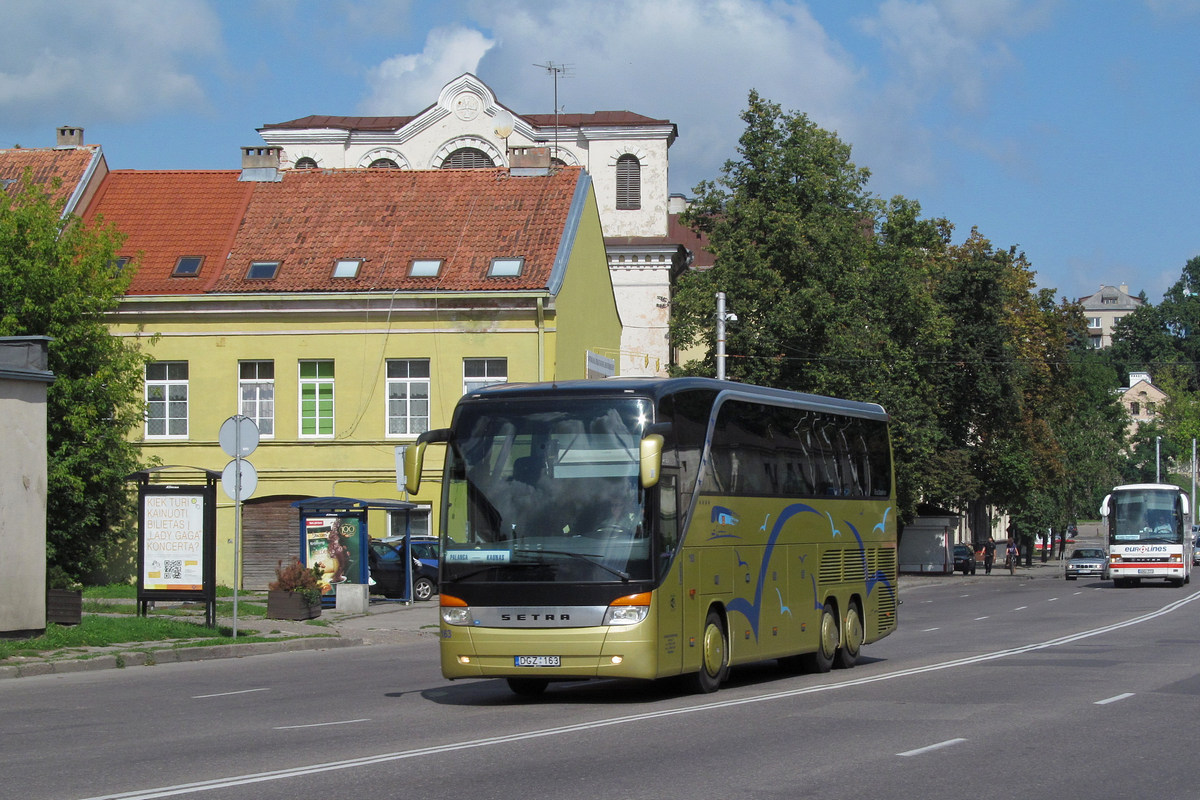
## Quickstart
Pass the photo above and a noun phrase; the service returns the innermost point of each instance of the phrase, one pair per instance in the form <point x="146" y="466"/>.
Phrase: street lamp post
<point x="1157" y="470"/>
<point x="722" y="318"/>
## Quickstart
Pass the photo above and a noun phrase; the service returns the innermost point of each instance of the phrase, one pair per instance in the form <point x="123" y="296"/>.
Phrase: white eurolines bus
<point x="1146" y="525"/>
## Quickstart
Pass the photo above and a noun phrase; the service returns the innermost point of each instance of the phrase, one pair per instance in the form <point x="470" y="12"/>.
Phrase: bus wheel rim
<point x="829" y="634"/>
<point x="714" y="650"/>
<point x="854" y="633"/>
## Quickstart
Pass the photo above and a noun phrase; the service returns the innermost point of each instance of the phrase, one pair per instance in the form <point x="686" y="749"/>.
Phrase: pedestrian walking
<point x="989" y="555"/>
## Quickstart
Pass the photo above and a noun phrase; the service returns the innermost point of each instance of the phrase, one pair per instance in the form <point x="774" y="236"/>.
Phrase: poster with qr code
<point x="173" y="542"/>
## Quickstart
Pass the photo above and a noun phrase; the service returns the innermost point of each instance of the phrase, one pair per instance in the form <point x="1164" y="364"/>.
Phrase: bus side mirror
<point x="1184" y="505"/>
<point x="651" y="459"/>
<point x="1104" y="505"/>
<point x="414" y="459"/>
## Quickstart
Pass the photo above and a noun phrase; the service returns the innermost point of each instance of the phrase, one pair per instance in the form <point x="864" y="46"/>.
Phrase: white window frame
<point x="170" y="394"/>
<point x="495" y="370"/>
<point x="256" y="395"/>
<point x="318" y="384"/>
<point x="407" y="396"/>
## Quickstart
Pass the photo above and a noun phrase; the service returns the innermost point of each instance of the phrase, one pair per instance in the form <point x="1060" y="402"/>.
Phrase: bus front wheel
<point x="714" y="655"/>
<point x="852" y="636"/>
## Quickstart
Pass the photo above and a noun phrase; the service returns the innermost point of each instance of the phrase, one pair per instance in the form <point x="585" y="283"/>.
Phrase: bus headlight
<point x="628" y="610"/>
<point x="454" y="610"/>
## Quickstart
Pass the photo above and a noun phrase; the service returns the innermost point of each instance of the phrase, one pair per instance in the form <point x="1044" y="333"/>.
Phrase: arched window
<point x="629" y="183"/>
<point x="468" y="158"/>
<point x="383" y="163"/>
<point x="305" y="163"/>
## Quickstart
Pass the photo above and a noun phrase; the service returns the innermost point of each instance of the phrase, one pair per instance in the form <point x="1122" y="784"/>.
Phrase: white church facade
<point x="625" y="153"/>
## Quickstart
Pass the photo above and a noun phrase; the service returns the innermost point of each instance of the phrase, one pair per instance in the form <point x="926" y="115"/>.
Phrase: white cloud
<point x="405" y="84"/>
<point x="104" y="59"/>
<point x="690" y="61"/>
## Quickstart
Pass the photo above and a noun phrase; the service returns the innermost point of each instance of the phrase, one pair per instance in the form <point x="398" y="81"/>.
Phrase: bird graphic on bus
<point x="751" y="610"/>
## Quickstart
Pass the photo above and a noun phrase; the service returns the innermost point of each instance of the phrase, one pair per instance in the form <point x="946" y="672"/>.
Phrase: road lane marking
<point x="527" y="736"/>
<point x="319" y="724"/>
<point x="227" y="694"/>
<point x="929" y="630"/>
<point x="1114" y="699"/>
<point x="931" y="748"/>
<point x="1020" y="608"/>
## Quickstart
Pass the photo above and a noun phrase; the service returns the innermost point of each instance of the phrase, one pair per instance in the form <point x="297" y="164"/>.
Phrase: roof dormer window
<point x="506" y="267"/>
<point x="425" y="268"/>
<point x="347" y="267"/>
<point x="187" y="266"/>
<point x="262" y="270"/>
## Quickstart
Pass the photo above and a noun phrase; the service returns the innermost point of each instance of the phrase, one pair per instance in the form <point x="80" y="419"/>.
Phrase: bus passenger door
<point x="671" y="594"/>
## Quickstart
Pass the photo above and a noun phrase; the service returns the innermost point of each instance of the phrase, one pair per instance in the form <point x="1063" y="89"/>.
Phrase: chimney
<point x="70" y="136"/>
<point x="527" y="161"/>
<point x="261" y="164"/>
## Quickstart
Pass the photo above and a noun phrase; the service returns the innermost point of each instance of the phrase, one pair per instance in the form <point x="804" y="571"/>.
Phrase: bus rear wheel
<point x="852" y="637"/>
<point x="827" y="642"/>
<point x="714" y="656"/>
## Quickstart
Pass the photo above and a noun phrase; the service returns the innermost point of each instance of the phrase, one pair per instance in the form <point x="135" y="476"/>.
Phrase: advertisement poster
<point x="332" y="545"/>
<point x="174" y="542"/>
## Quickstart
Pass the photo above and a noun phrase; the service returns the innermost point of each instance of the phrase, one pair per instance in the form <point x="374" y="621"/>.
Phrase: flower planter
<point x="64" y="606"/>
<point x="290" y="605"/>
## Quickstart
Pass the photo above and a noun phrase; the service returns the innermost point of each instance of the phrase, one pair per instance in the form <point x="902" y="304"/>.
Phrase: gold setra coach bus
<point x="645" y="528"/>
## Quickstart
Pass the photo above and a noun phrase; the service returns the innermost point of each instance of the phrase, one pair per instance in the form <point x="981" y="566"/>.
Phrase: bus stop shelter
<point x="335" y="537"/>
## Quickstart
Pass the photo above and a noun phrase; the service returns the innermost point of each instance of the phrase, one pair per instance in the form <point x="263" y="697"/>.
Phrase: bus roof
<point x="658" y="388"/>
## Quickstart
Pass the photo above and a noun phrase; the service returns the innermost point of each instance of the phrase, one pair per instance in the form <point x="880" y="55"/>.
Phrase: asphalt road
<point x="994" y="687"/>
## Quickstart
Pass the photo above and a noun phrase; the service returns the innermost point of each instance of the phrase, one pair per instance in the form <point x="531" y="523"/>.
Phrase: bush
<point x="296" y="577"/>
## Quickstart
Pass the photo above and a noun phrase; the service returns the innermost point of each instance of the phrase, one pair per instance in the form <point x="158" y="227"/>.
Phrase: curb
<point x="172" y="655"/>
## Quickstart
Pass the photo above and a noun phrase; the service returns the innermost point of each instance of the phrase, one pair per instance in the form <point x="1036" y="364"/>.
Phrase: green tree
<point x="58" y="278"/>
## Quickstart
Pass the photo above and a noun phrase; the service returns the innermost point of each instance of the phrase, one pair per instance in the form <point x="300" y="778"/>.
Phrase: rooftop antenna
<point x="555" y="70"/>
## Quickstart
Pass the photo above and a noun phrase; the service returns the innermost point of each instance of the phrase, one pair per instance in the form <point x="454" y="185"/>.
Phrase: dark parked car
<point x="1087" y="562"/>
<point x="1195" y="548"/>
<point x="386" y="561"/>
<point x="964" y="559"/>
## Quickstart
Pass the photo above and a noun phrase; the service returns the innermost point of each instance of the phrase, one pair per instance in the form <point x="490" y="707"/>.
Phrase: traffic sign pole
<point x="238" y="437"/>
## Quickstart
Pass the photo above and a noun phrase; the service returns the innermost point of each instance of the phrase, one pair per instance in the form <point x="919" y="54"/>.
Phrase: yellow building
<point x="346" y="311"/>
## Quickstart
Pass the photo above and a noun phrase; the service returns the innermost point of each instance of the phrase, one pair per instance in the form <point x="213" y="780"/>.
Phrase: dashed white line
<point x="932" y="747"/>
<point x="1114" y="699"/>
<point x="319" y="724"/>
<point x="227" y="694"/>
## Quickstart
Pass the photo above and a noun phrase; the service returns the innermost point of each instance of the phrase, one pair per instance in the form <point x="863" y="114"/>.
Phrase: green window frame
<point x="316" y="398"/>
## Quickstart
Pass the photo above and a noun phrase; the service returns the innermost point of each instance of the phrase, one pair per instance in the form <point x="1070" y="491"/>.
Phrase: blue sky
<point x="1065" y="128"/>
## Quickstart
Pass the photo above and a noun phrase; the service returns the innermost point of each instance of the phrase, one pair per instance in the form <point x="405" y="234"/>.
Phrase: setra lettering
<point x="535" y="617"/>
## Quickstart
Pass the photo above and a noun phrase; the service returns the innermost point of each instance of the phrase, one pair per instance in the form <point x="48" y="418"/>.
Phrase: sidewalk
<point x="386" y="622"/>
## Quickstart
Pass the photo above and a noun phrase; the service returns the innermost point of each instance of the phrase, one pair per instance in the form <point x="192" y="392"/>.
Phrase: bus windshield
<point x="1146" y="516"/>
<point x="547" y="490"/>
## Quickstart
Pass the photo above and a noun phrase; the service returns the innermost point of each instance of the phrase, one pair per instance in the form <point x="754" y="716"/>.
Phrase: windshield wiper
<point x="593" y="560"/>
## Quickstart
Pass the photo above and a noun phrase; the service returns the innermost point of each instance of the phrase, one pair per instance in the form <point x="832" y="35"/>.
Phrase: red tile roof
<point x="71" y="164"/>
<point x="312" y="218"/>
<point x="172" y="213"/>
